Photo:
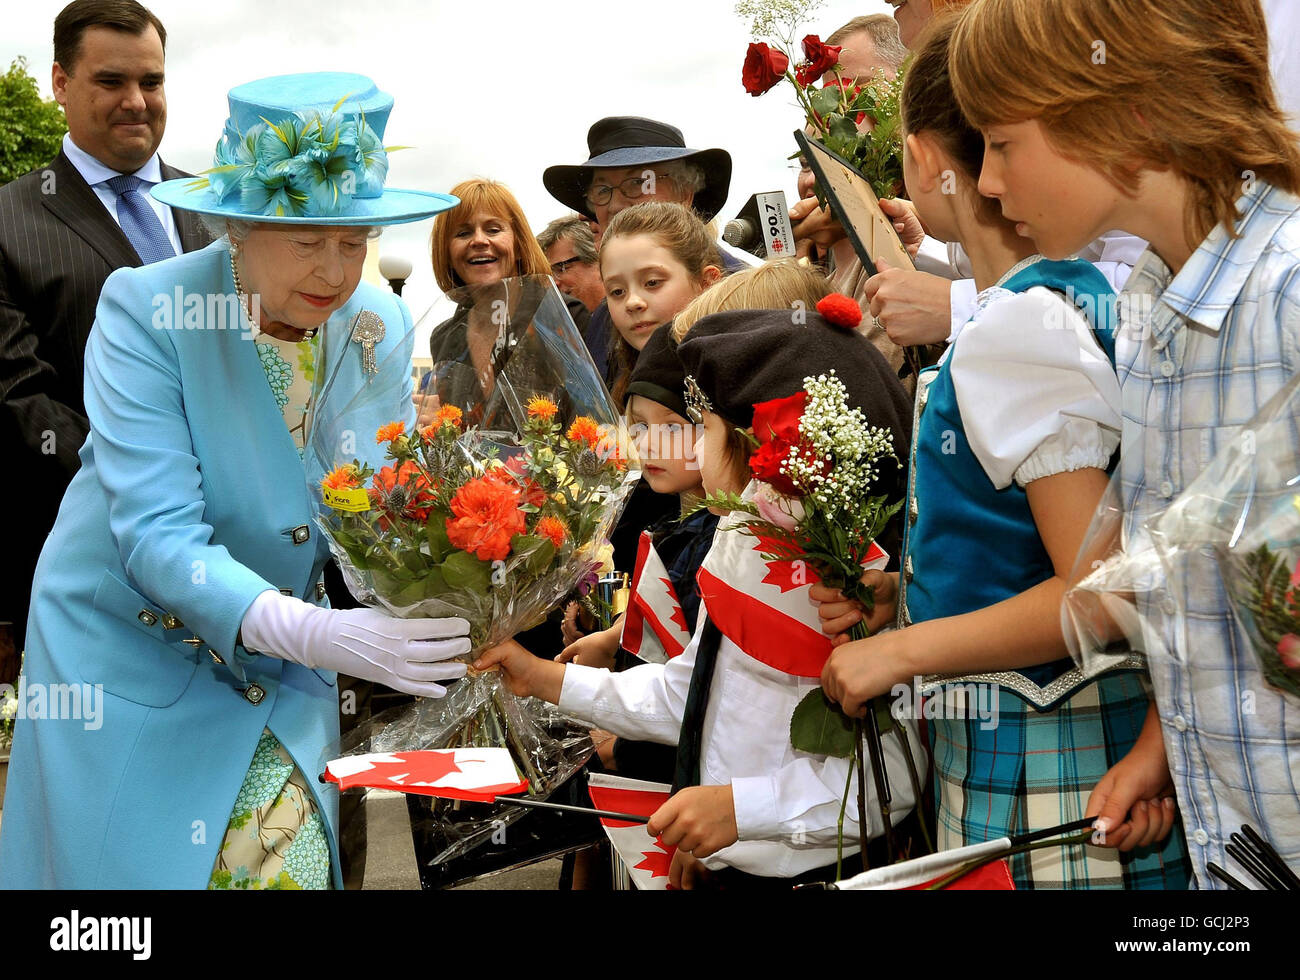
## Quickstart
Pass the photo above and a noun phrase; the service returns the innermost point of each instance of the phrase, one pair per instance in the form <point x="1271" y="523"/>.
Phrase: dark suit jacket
<point x="57" y="246"/>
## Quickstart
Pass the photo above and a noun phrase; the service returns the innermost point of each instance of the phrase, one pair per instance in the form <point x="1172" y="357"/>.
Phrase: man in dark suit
<point x="63" y="229"/>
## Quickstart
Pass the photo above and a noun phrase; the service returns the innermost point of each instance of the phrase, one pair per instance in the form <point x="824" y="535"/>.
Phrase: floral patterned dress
<point x="276" y="838"/>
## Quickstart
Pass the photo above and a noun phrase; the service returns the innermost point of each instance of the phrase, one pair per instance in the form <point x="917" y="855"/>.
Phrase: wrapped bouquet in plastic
<point x="1235" y="528"/>
<point x="494" y="511"/>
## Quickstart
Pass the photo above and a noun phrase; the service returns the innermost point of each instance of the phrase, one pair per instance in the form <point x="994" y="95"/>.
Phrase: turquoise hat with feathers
<point x="304" y="149"/>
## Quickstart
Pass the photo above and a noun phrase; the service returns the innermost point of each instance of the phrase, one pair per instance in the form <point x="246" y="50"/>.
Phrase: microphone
<point x="762" y="227"/>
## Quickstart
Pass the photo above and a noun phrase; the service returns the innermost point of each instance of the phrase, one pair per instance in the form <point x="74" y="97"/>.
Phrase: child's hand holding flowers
<point x="839" y="615"/>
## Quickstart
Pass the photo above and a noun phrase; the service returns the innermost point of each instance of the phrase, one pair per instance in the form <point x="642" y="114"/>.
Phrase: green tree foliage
<point x="31" y="128"/>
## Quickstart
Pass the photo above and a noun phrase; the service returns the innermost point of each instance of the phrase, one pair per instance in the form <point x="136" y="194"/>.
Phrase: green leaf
<point x="435" y="532"/>
<point x="434" y="584"/>
<point x="461" y="570"/>
<point x="842" y="127"/>
<point x="408" y="596"/>
<point x="819" y="727"/>
<point x="539" y="550"/>
<point x="824" y="100"/>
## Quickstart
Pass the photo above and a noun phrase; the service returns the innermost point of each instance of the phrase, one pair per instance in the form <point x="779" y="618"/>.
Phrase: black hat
<point x="630" y="141"/>
<point x="738" y="358"/>
<point x="658" y="374"/>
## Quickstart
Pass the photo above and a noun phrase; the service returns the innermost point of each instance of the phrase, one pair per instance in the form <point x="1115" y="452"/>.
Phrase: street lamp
<point x="396" y="270"/>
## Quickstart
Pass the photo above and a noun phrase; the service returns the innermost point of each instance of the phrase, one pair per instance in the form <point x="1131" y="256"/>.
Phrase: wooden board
<point x="856" y="206"/>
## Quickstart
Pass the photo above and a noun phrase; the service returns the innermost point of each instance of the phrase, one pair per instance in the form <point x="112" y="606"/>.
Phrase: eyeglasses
<point x="632" y="189"/>
<point x="563" y="266"/>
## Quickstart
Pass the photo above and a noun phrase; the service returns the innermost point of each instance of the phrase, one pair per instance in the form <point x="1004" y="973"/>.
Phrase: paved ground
<point x="390" y="855"/>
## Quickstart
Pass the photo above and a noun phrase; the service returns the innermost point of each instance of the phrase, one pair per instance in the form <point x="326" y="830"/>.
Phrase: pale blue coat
<point x="185" y="508"/>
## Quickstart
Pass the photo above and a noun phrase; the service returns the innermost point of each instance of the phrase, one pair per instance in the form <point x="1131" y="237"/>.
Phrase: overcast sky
<point x="498" y="89"/>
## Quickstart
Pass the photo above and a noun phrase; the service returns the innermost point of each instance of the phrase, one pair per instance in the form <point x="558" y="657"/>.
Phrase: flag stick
<point x="603" y="814"/>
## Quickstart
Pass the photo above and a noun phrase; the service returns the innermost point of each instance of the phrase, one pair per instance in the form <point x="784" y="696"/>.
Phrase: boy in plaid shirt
<point x="1085" y="133"/>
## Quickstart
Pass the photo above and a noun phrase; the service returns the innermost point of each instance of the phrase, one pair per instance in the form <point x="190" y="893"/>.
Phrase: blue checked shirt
<point x="1197" y="355"/>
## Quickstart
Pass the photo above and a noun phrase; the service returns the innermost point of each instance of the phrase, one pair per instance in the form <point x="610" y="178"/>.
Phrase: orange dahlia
<point x="486" y="516"/>
<point x="542" y="408"/>
<point x="553" y="528"/>
<point x="391" y="431"/>
<point x="584" y="429"/>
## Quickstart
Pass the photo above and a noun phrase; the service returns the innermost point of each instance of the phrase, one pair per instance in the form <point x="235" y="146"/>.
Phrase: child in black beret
<point x="749" y="810"/>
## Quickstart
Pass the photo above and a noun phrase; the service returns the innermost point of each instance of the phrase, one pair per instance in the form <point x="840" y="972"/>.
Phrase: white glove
<point x="404" y="654"/>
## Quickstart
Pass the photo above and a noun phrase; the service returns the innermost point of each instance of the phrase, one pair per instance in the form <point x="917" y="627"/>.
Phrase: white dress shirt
<point x="97" y="175"/>
<point x="787" y="802"/>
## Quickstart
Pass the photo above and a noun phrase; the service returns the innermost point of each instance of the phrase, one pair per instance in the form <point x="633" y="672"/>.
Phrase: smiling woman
<point x="483" y="243"/>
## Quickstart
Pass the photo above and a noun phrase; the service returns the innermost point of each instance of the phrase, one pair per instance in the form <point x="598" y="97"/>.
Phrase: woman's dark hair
<point x="927" y="105"/>
<point x="77" y="17"/>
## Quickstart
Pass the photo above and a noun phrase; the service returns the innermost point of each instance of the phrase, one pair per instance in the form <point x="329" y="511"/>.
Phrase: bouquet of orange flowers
<point x="449" y="528"/>
<point x="493" y="511"/>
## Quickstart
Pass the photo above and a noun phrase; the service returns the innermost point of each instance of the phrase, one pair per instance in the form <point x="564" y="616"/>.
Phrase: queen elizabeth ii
<point x="181" y="584"/>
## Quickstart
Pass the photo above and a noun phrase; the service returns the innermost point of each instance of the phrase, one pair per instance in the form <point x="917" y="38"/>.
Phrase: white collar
<point x="94" y="172"/>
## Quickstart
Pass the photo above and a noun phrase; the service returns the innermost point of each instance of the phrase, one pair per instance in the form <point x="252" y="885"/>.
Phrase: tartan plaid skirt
<point x="1030" y="770"/>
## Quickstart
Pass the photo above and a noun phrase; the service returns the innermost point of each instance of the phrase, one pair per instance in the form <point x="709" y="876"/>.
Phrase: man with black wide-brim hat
<point x="632" y="159"/>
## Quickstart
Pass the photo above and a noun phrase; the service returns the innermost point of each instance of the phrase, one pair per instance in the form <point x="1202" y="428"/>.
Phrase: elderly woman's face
<point x="302" y="273"/>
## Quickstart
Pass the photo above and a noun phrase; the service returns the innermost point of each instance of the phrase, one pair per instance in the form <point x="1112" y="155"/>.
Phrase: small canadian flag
<point x="456" y="774"/>
<point x="655" y="628"/>
<point x="646" y="857"/>
<point x="762" y="605"/>
<point x="990" y="872"/>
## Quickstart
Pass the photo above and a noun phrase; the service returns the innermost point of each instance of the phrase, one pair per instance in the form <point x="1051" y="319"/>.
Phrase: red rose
<point x="766" y="465"/>
<point x="819" y="58"/>
<point x="779" y="418"/>
<point x="840" y="310"/>
<point x="487" y="516"/>
<point x="763" y="68"/>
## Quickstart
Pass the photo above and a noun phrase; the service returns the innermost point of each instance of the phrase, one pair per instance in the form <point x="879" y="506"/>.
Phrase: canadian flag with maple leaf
<point x="477" y="774"/>
<point x="646" y="857"/>
<point x="761" y="603"/>
<point x="976" y="867"/>
<point x="655" y="628"/>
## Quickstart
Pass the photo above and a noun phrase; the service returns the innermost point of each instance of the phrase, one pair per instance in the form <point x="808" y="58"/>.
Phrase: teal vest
<point x="967" y="544"/>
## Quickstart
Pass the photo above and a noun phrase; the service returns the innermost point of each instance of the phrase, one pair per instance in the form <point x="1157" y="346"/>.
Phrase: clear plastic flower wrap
<point x="494" y="511"/>
<point x="1232" y="537"/>
<point x="503" y="503"/>
<point x="1115" y="580"/>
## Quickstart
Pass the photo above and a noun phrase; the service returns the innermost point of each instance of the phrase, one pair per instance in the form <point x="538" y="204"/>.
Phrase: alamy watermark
<point x="953" y="702"/>
<point x="53" y="702"/>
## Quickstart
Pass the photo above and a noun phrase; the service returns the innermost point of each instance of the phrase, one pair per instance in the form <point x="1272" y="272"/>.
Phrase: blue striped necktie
<point x="139" y="221"/>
